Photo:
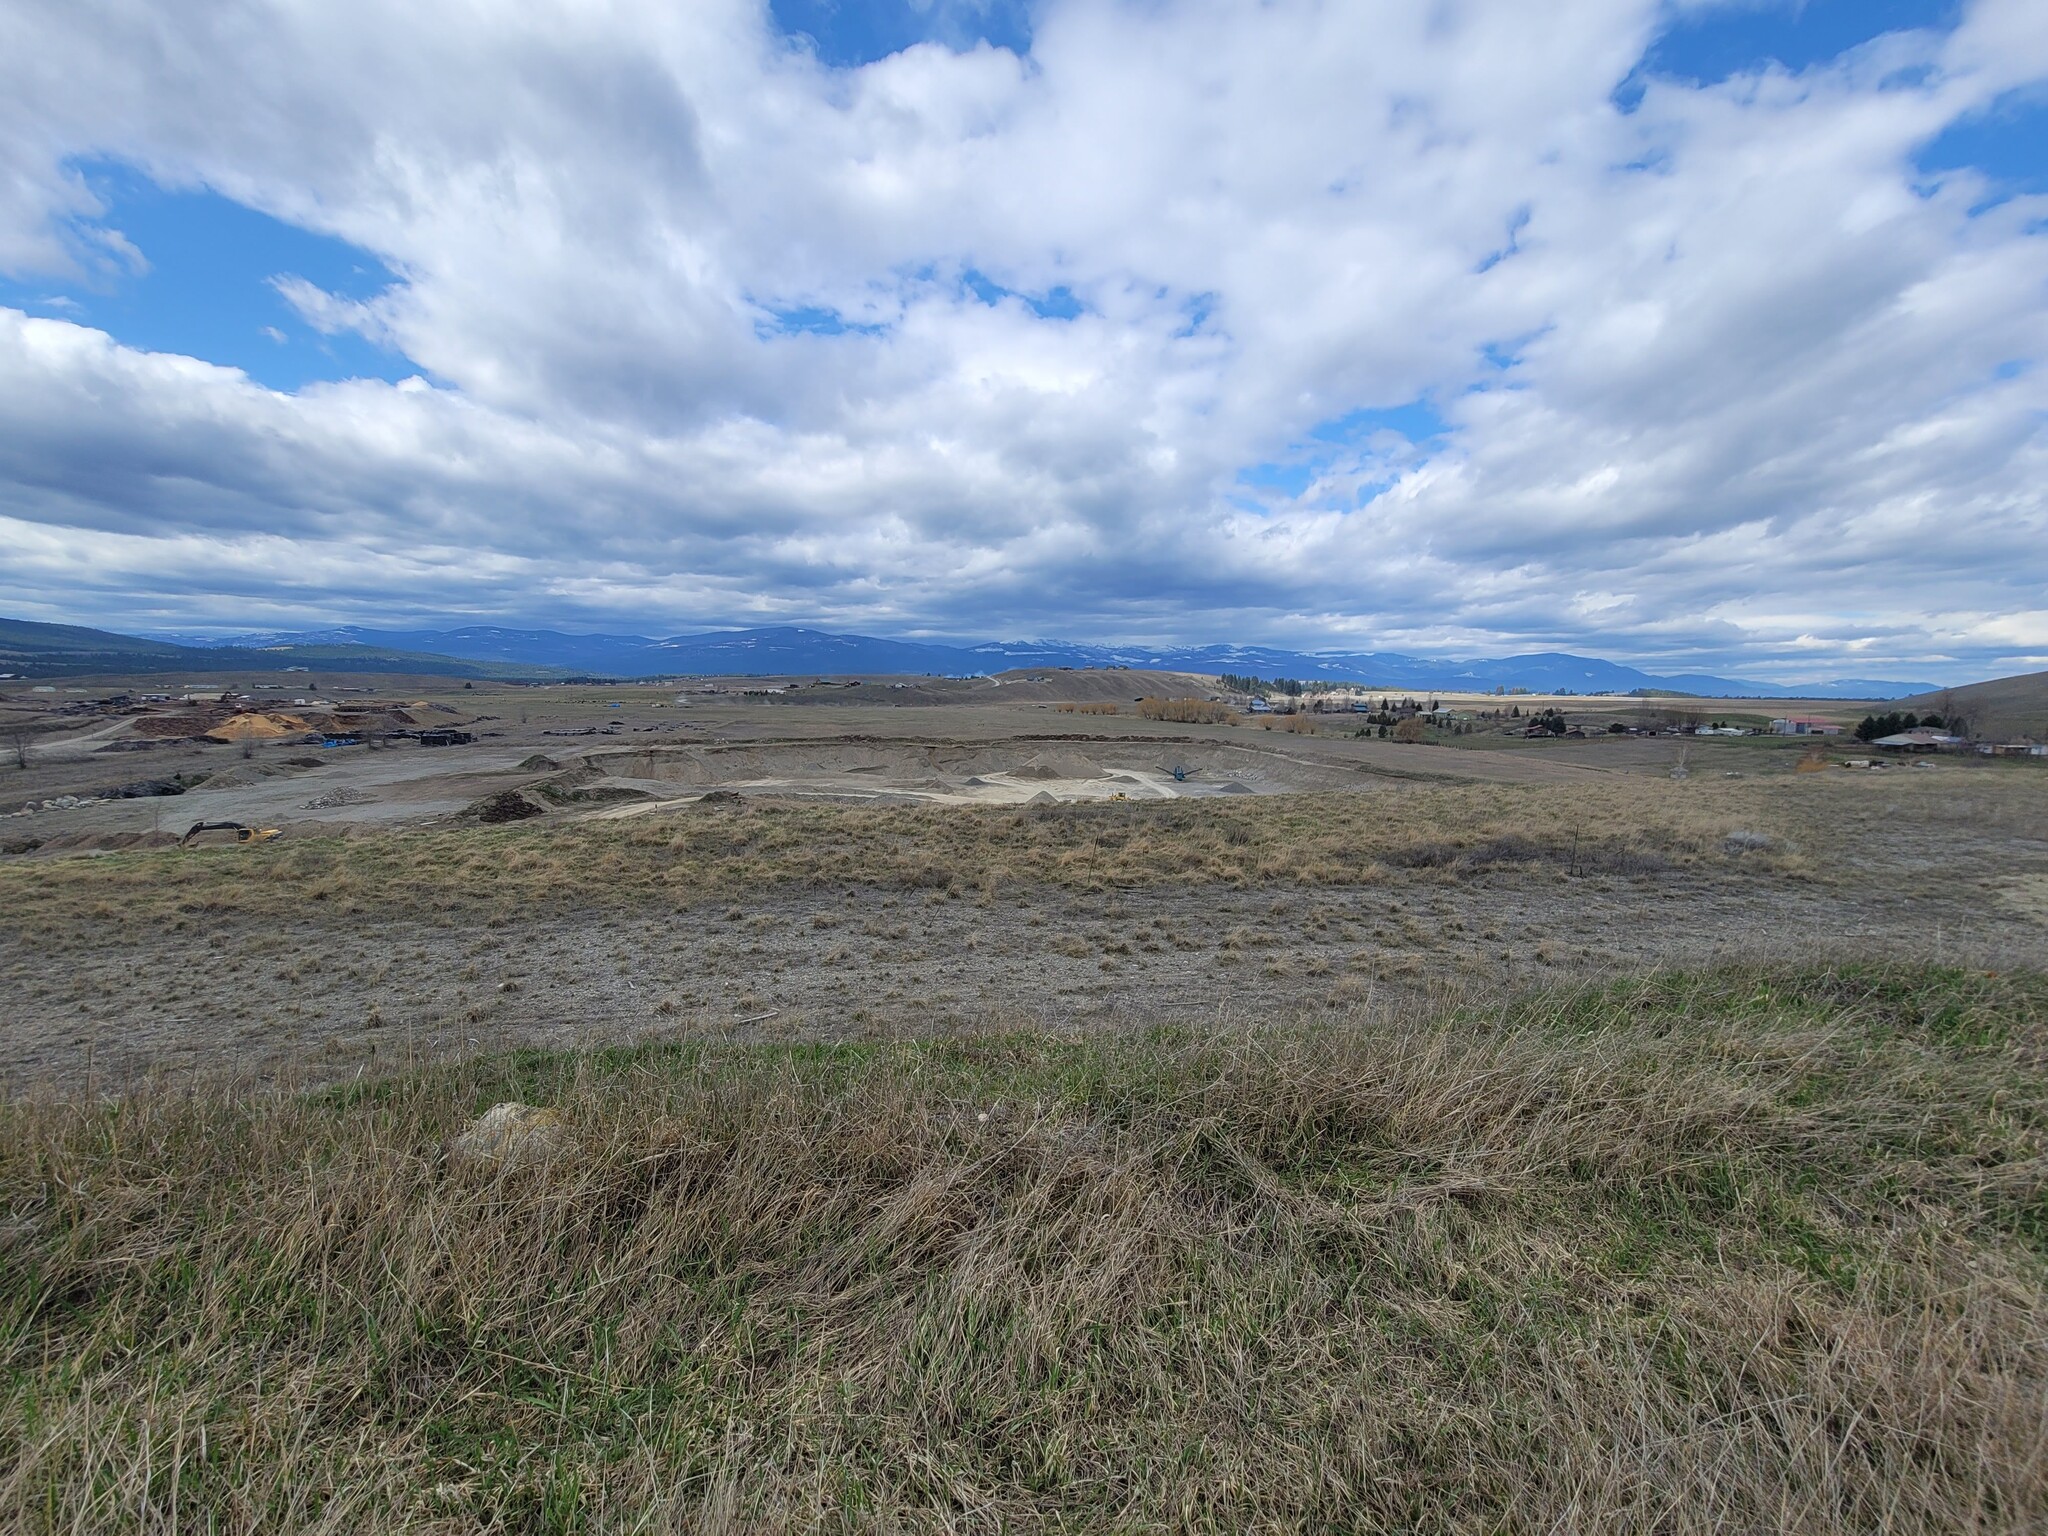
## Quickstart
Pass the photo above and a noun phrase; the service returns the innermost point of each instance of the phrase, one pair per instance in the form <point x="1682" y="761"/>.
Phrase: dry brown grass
<point x="700" y="852"/>
<point x="1743" y="1251"/>
<point x="1296" y="724"/>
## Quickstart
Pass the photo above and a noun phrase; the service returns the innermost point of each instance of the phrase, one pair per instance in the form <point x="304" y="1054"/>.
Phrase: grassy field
<point x="1740" y="1249"/>
<point x="699" y="852"/>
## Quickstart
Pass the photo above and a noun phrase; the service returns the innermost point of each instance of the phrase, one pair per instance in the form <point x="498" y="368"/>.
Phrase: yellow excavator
<point x="242" y="834"/>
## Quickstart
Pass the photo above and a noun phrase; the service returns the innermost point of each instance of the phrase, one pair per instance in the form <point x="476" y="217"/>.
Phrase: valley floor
<point x="1580" y="1149"/>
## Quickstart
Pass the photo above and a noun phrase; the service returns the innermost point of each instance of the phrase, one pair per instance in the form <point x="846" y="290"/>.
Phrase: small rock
<point x="508" y="1136"/>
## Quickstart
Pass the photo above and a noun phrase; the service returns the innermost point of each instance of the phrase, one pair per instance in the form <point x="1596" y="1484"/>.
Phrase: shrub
<point x="1184" y="711"/>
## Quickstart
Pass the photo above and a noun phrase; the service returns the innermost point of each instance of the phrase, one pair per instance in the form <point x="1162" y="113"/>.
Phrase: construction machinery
<point x="242" y="833"/>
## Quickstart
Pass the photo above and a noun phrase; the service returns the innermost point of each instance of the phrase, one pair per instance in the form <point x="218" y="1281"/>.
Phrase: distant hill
<point x="485" y="651"/>
<point x="33" y="650"/>
<point x="790" y="650"/>
<point x="747" y="652"/>
<point x="2003" y="707"/>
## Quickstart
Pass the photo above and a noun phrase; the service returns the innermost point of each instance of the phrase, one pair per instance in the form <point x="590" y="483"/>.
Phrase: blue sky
<point x="201" y="283"/>
<point x="848" y="33"/>
<point x="1710" y="44"/>
<point x="1137" y="323"/>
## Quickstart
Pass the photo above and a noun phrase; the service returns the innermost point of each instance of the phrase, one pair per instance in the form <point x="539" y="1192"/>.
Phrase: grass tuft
<point x="1751" y="1249"/>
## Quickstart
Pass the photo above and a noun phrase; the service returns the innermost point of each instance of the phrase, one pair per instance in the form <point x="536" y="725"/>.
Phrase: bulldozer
<point x="242" y="834"/>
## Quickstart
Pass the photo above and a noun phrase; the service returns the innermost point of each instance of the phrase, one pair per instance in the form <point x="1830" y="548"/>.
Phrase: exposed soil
<point x="1953" y="870"/>
<point x="334" y="996"/>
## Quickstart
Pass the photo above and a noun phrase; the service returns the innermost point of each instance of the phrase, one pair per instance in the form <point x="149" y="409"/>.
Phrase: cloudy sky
<point x="1702" y="334"/>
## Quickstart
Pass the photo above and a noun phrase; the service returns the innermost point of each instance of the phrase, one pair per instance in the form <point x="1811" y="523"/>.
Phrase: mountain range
<point x="790" y="651"/>
<point x="32" y="650"/>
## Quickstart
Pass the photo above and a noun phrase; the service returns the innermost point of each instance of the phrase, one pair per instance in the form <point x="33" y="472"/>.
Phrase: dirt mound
<point x="540" y="762"/>
<point x="1056" y="764"/>
<point x="244" y="774"/>
<point x="143" y="789"/>
<point x="173" y="726"/>
<point x="258" y="726"/>
<point x="506" y="805"/>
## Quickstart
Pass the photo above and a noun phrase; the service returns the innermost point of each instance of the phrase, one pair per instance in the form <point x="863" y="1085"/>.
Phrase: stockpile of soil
<point x="506" y="805"/>
<point x="358" y="722"/>
<point x="143" y="789"/>
<point x="170" y="726"/>
<point x="256" y="726"/>
<point x="1057" y="764"/>
<point x="247" y="773"/>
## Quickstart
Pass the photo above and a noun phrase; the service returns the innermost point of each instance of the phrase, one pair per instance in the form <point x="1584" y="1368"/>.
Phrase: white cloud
<point x="1764" y="387"/>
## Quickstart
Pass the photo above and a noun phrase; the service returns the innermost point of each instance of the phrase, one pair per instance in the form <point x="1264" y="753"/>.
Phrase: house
<point x="1921" y="740"/>
<point x="1805" y="725"/>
